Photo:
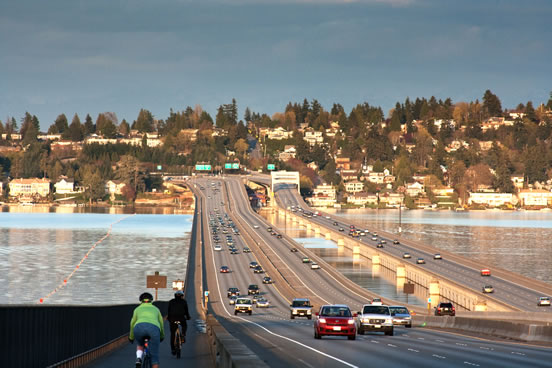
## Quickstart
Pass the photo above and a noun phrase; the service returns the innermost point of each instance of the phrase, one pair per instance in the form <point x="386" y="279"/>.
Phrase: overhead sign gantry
<point x="285" y="177"/>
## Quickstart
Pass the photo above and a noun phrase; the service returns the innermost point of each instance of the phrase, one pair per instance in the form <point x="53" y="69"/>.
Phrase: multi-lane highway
<point x="521" y="294"/>
<point x="281" y="341"/>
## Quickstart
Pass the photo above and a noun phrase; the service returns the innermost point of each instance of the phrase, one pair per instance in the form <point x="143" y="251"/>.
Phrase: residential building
<point x="363" y="198"/>
<point x="289" y="152"/>
<point x="348" y="175"/>
<point x="492" y="199"/>
<point x="354" y="186"/>
<point x="443" y="191"/>
<point x="343" y="163"/>
<point x="50" y="137"/>
<point x="495" y="123"/>
<point x="439" y="123"/>
<point x="65" y="186"/>
<point x="278" y="133"/>
<point x="323" y="196"/>
<point x="312" y="165"/>
<point x="114" y="187"/>
<point x="29" y="188"/>
<point x="391" y="199"/>
<point x="535" y="197"/>
<point x="375" y="177"/>
<point x="414" y="189"/>
<point x="313" y="137"/>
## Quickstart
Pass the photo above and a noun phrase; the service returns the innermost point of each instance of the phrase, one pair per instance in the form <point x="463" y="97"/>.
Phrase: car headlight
<point x="309" y="311"/>
<point x="366" y="320"/>
<point x="351" y="321"/>
<point x="294" y="311"/>
<point x="408" y="317"/>
<point x="388" y="321"/>
<point x="322" y="320"/>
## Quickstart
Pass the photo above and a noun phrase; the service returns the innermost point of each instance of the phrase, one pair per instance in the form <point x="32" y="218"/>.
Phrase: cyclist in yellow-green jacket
<point x="147" y="321"/>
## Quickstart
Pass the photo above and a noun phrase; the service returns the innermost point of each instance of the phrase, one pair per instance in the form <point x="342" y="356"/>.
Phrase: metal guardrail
<point x="43" y="336"/>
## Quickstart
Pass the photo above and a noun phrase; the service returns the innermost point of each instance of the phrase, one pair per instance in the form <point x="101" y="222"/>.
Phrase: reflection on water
<point x="518" y="241"/>
<point x="39" y="250"/>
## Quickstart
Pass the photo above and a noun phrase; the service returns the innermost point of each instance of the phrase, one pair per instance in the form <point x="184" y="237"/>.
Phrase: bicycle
<point x="177" y="343"/>
<point x="146" y="358"/>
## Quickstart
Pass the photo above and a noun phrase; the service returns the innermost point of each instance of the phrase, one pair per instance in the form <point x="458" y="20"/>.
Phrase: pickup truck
<point x="375" y="318"/>
<point x="301" y="307"/>
<point x="243" y="305"/>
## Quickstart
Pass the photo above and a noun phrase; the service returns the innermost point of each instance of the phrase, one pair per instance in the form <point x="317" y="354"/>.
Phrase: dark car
<point x="293" y="250"/>
<point x="267" y="280"/>
<point x="380" y="245"/>
<point x="224" y="269"/>
<point x="396" y="241"/>
<point x="253" y="289"/>
<point x="258" y="269"/>
<point x="233" y="291"/>
<point x="336" y="320"/>
<point x="253" y="264"/>
<point x="246" y="250"/>
<point x="443" y="309"/>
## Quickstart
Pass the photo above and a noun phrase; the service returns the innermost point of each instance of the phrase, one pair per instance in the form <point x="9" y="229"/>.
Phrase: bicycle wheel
<point x="177" y="343"/>
<point x="146" y="362"/>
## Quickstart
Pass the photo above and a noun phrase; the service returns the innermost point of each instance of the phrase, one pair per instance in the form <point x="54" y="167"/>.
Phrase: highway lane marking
<point x="414" y="350"/>
<point x="485" y="348"/>
<point x="469" y="363"/>
<point x="517" y="353"/>
<point x="460" y="344"/>
<point x="439" y="356"/>
<point x="267" y="330"/>
<point x="305" y="363"/>
<point x="421" y="338"/>
<point x="374" y="341"/>
<point x="393" y="346"/>
<point x="439" y="340"/>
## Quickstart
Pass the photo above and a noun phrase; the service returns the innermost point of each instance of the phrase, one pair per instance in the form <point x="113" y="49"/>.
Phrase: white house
<point x="362" y="198"/>
<point x="65" y="186"/>
<point x="114" y="187"/>
<point x="492" y="199"/>
<point x="414" y="189"/>
<point x="535" y="197"/>
<point x="313" y="137"/>
<point x="323" y="196"/>
<point x="354" y="186"/>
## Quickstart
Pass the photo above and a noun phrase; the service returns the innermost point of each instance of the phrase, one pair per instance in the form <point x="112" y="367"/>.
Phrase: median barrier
<point x="511" y="330"/>
<point x="228" y="351"/>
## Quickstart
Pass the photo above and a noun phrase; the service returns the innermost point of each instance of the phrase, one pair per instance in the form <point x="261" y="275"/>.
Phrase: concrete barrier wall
<point x="512" y="330"/>
<point x="228" y="351"/>
<point x="448" y="289"/>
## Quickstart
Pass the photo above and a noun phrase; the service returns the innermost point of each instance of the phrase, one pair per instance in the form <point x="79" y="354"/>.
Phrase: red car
<point x="336" y="320"/>
<point x="485" y="272"/>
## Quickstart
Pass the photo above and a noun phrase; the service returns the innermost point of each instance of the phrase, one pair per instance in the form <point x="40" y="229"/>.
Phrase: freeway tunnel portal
<point x="285" y="177"/>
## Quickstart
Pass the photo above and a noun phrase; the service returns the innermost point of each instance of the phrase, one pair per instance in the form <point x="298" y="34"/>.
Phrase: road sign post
<point x="156" y="282"/>
<point x="428" y="306"/>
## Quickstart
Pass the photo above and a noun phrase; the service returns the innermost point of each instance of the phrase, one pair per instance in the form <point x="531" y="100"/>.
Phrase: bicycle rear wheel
<point x="177" y="343"/>
<point x="146" y="362"/>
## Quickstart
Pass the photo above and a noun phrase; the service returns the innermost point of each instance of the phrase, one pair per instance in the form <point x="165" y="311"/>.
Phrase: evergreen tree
<point x="491" y="104"/>
<point x="530" y="111"/>
<point x="75" y="131"/>
<point x="144" y="122"/>
<point x="89" y="127"/>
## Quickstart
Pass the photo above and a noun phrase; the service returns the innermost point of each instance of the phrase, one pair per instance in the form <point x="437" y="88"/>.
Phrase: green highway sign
<point x="227" y="166"/>
<point x="235" y="166"/>
<point x="203" y="167"/>
<point x="159" y="167"/>
<point x="271" y="167"/>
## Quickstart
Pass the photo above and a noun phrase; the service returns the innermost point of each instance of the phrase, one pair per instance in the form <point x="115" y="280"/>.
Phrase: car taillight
<point x="438" y="308"/>
<point x="322" y="320"/>
<point x="453" y="308"/>
<point x="351" y="321"/>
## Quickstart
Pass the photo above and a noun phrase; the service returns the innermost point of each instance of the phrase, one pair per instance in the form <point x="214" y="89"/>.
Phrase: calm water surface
<point x="38" y="251"/>
<point x="519" y="241"/>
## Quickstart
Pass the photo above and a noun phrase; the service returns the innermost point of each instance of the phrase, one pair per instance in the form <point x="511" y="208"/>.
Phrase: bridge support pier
<point x="376" y="259"/>
<point x="328" y="236"/>
<point x="434" y="292"/>
<point x="401" y="271"/>
<point x="317" y="231"/>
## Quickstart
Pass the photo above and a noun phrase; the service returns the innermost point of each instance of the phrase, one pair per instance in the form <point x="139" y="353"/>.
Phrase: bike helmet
<point x="146" y="298"/>
<point x="179" y="294"/>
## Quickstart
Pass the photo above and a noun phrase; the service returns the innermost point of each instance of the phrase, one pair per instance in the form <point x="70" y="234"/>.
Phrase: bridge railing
<point x="48" y="336"/>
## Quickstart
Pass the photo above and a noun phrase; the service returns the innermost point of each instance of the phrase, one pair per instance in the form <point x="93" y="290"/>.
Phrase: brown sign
<point x="156" y="281"/>
<point x="408" y="288"/>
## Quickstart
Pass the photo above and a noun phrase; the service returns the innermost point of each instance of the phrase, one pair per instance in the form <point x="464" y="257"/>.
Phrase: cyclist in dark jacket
<point x="178" y="311"/>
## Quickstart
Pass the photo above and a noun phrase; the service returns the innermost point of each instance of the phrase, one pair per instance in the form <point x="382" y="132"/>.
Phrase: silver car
<point x="262" y="303"/>
<point x="401" y="316"/>
<point x="376" y="318"/>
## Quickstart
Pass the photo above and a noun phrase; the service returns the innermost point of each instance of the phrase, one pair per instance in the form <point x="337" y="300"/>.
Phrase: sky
<point x="93" y="56"/>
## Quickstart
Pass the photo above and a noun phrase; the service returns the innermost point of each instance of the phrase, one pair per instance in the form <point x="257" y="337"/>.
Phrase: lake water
<point x="39" y="251"/>
<point x="519" y="241"/>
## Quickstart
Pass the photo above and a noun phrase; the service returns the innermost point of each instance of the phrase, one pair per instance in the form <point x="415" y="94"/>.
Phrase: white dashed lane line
<point x="516" y="353"/>
<point x="460" y="344"/>
<point x="439" y="356"/>
<point x="414" y="350"/>
<point x="472" y="364"/>
<point x="485" y="348"/>
<point x="393" y="346"/>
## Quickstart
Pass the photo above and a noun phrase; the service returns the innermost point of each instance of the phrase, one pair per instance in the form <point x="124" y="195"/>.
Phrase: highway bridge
<point x="269" y="337"/>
